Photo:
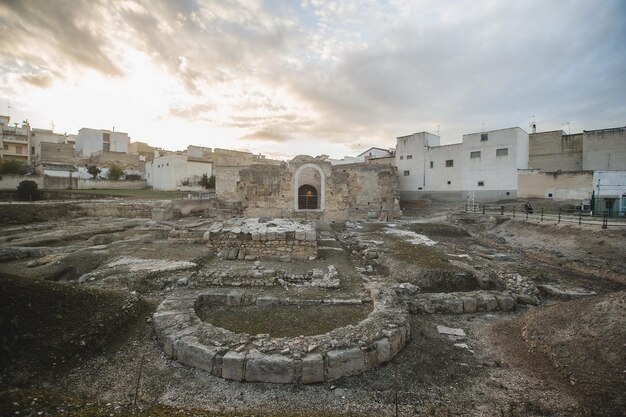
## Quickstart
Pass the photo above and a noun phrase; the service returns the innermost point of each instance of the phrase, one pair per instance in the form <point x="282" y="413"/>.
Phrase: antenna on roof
<point x="483" y="126"/>
<point x="437" y="130"/>
<point x="568" y="126"/>
<point x="52" y="124"/>
<point x="9" y="108"/>
<point x="533" y="124"/>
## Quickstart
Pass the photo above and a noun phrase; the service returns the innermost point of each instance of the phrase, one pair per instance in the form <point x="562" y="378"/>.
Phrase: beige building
<point x="14" y="140"/>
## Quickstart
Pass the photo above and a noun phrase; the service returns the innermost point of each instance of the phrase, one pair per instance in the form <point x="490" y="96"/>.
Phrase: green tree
<point x="207" y="182"/>
<point x="115" y="172"/>
<point x="93" y="170"/>
<point x="27" y="190"/>
<point x="12" y="166"/>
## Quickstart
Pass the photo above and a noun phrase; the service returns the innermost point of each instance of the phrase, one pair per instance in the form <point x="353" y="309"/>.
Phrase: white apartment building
<point x="89" y="141"/>
<point x="172" y="172"/>
<point x="14" y="140"/>
<point x="484" y="163"/>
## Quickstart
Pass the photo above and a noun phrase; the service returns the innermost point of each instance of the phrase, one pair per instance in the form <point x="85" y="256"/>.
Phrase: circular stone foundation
<point x="342" y="351"/>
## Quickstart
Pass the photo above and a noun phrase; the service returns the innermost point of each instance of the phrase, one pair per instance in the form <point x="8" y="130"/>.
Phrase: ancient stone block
<point x="312" y="369"/>
<point x="383" y="350"/>
<point x="344" y="362"/>
<point x="191" y="352"/>
<point x="488" y="303"/>
<point x="506" y="303"/>
<point x="275" y="369"/>
<point x="470" y="305"/>
<point x="232" y="365"/>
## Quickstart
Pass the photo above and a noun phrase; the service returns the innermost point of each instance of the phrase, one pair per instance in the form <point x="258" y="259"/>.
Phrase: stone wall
<point x="344" y="351"/>
<point x="263" y="242"/>
<point x="10" y="181"/>
<point x="358" y="191"/>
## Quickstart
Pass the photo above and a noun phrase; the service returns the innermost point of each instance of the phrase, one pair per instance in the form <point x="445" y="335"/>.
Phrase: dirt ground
<point x="77" y="337"/>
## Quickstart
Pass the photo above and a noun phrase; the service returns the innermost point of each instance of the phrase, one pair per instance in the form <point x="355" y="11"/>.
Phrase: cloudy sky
<point x="311" y="76"/>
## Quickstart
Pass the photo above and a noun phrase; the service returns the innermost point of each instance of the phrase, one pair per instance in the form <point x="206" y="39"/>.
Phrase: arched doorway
<point x="307" y="198"/>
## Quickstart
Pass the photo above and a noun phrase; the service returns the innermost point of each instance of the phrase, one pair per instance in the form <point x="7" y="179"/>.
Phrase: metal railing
<point x="552" y="215"/>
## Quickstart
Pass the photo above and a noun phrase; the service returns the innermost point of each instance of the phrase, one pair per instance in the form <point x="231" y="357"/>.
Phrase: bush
<point x="133" y="177"/>
<point x="207" y="182"/>
<point x="115" y="172"/>
<point x="93" y="170"/>
<point x="27" y="190"/>
<point x="12" y="166"/>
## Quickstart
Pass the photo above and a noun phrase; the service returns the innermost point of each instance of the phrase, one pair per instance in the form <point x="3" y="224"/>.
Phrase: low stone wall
<point x="251" y="239"/>
<point x="266" y="277"/>
<point x="130" y="210"/>
<point x="460" y="302"/>
<point x="11" y="181"/>
<point x="258" y="358"/>
<point x="98" y="184"/>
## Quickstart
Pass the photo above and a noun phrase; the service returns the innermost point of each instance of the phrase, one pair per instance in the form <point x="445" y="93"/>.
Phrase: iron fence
<point x="550" y="215"/>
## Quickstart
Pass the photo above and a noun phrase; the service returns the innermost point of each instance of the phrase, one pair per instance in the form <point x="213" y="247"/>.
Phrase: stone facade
<point x="338" y="192"/>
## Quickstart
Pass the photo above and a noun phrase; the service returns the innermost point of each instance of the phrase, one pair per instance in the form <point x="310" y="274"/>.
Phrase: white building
<point x="89" y="141"/>
<point x="360" y="158"/>
<point x="609" y="192"/>
<point x="485" y="163"/>
<point x="173" y="172"/>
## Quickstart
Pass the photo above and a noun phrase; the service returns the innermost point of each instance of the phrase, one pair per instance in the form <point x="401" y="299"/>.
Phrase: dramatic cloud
<point x="330" y="77"/>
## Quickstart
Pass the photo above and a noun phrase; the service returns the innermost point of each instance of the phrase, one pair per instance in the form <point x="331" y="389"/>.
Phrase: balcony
<point x="15" y="139"/>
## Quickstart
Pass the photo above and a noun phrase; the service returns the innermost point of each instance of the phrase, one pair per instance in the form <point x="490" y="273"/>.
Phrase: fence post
<point x="559" y="215"/>
<point x="580" y="217"/>
<point x="483" y="209"/>
<point x="542" y="214"/>
<point x="526" y="214"/>
<point x="605" y="220"/>
<point x="513" y="211"/>
<point x="502" y="210"/>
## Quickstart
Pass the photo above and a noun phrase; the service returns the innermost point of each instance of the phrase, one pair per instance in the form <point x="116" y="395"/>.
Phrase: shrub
<point x="27" y="190"/>
<point x="133" y="177"/>
<point x="93" y="170"/>
<point x="115" y="172"/>
<point x="12" y="166"/>
<point x="207" y="182"/>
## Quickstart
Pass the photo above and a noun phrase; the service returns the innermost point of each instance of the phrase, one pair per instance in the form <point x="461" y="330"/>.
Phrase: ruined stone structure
<point x="311" y="188"/>
<point x="344" y="351"/>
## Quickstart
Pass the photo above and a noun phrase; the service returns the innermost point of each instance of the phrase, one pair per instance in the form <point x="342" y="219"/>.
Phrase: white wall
<point x="410" y="156"/>
<point x="414" y="153"/>
<point x="167" y="172"/>
<point x="89" y="141"/>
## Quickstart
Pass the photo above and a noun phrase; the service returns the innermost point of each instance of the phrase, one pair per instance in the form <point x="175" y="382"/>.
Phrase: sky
<point x="313" y="77"/>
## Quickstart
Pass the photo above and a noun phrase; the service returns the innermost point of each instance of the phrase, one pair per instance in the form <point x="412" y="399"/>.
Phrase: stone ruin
<point x="343" y="351"/>
<point x="253" y="238"/>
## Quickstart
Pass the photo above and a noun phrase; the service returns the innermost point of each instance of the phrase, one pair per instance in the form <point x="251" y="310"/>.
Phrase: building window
<point x="449" y="163"/>
<point x="481" y="183"/>
<point x="449" y="182"/>
<point x="409" y="157"/>
<point x="106" y="137"/>
<point x="502" y="152"/>
<point x="6" y="147"/>
<point x="401" y="157"/>
<point x="407" y="173"/>
<point x="106" y="146"/>
<point x="18" y="150"/>
<point x="431" y="164"/>
<point x="475" y="155"/>
<point x="484" y="137"/>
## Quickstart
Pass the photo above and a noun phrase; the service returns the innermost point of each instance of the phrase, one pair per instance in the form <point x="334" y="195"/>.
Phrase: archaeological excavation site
<point x="307" y="292"/>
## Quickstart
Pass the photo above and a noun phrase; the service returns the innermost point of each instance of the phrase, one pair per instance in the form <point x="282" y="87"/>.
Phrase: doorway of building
<point x="307" y="198"/>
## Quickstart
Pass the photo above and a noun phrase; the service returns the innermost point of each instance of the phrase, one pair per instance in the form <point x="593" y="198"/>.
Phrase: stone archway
<point x="321" y="193"/>
<point x="307" y="198"/>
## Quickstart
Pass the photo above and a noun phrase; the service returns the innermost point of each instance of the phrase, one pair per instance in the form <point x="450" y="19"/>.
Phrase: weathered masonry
<point x="311" y="188"/>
